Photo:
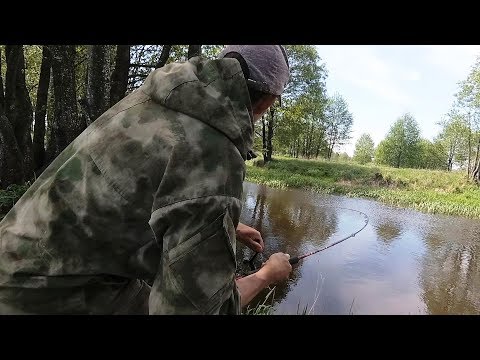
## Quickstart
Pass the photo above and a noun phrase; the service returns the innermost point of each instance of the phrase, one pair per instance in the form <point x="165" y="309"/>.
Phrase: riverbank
<point x="436" y="192"/>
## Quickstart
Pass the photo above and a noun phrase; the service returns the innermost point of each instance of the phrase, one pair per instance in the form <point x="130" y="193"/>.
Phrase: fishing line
<point x="296" y="259"/>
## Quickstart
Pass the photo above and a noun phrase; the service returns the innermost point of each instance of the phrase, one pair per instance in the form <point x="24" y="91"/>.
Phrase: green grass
<point x="437" y="192"/>
<point x="10" y="196"/>
<point x="262" y="308"/>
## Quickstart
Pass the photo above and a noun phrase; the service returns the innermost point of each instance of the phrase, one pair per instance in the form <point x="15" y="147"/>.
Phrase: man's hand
<point x="250" y="237"/>
<point x="277" y="268"/>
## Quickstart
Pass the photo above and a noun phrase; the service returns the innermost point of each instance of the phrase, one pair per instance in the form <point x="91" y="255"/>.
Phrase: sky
<point x="382" y="82"/>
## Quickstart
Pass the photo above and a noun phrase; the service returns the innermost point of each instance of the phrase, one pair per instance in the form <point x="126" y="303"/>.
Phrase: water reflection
<point x="404" y="262"/>
<point x="288" y="223"/>
<point x="387" y="231"/>
<point x="450" y="275"/>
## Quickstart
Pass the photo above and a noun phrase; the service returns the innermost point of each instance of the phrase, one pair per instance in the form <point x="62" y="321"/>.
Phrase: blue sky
<point x="380" y="83"/>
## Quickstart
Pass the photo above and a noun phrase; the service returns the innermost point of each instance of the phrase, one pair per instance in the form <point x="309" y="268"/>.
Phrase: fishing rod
<point x="296" y="259"/>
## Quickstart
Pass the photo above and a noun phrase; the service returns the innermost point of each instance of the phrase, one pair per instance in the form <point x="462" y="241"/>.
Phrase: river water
<point x="403" y="262"/>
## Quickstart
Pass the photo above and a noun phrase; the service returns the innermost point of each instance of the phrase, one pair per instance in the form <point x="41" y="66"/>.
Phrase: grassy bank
<point x="438" y="192"/>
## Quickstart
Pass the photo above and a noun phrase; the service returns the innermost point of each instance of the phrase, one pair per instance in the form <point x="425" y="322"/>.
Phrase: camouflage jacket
<point x="151" y="190"/>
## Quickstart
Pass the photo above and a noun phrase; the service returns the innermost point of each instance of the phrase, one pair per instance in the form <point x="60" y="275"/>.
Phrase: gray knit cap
<point x="267" y="64"/>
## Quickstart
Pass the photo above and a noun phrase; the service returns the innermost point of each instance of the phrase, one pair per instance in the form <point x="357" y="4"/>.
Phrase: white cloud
<point x="454" y="59"/>
<point x="360" y="66"/>
<point x="412" y="75"/>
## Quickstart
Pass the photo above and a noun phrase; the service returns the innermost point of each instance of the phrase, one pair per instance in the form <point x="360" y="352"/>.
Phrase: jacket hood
<point x="212" y="91"/>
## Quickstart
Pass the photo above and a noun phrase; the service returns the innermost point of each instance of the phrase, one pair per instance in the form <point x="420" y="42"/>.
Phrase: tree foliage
<point x="339" y="123"/>
<point x="364" y="149"/>
<point x="401" y="146"/>
<point x="300" y="127"/>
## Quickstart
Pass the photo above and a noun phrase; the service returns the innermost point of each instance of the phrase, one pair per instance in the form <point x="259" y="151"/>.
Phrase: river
<point x="403" y="262"/>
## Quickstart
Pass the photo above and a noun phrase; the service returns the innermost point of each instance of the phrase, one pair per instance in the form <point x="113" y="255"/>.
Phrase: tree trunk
<point x="11" y="162"/>
<point x="399" y="158"/>
<point x="65" y="125"/>
<point x="469" y="146"/>
<point x="476" y="170"/>
<point x="330" y="150"/>
<point x="41" y="110"/>
<point x="98" y="82"/>
<point x="19" y="107"/>
<point x="194" y="50"/>
<point x="24" y="121"/>
<point x="264" y="139"/>
<point x="307" y="145"/>
<point x="451" y="153"/>
<point x="2" y="94"/>
<point x="476" y="173"/>
<point x="270" y="135"/>
<point x="12" y="55"/>
<point x="119" y="79"/>
<point x="50" y="145"/>
<point x="163" y="56"/>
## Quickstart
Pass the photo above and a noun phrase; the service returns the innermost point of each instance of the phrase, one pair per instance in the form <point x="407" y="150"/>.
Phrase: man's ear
<point x="264" y="103"/>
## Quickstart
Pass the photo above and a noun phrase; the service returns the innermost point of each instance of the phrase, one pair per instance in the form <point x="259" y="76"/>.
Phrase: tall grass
<point x="10" y="196"/>
<point x="263" y="308"/>
<point x="438" y="192"/>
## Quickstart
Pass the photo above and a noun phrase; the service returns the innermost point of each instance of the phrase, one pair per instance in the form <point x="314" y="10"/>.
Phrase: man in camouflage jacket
<point x="150" y="191"/>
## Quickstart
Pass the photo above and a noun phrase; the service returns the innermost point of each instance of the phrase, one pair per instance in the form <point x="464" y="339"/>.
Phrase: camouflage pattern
<point x="151" y="191"/>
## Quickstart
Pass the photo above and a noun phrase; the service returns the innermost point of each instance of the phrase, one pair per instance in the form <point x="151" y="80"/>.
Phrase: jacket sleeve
<point x="197" y="271"/>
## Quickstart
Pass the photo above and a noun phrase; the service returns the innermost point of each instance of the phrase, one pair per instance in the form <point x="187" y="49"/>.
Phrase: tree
<point x="18" y="105"/>
<point x="431" y="155"/>
<point x="65" y="125"/>
<point x="299" y="123"/>
<point x="165" y="54"/>
<point x="307" y="73"/>
<point x="145" y="58"/>
<point x="194" y="50"/>
<point x="401" y="145"/>
<point x="11" y="162"/>
<point x="339" y="123"/>
<point x="270" y="125"/>
<point x="98" y="82"/>
<point x="55" y="80"/>
<point x="469" y="98"/>
<point x="364" y="149"/>
<point x="119" y="80"/>
<point x="41" y="110"/>
<point x="211" y="51"/>
<point x="454" y="138"/>
<point x="290" y="128"/>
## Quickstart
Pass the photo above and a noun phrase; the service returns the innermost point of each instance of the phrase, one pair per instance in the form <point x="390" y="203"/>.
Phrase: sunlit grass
<point x="437" y="192"/>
